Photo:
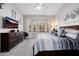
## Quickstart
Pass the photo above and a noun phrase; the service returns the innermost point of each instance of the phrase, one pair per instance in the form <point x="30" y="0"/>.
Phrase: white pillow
<point x="78" y="36"/>
<point x="59" y="32"/>
<point x="72" y="35"/>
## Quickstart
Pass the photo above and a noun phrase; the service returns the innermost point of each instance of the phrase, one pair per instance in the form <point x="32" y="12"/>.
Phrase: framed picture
<point x="13" y="14"/>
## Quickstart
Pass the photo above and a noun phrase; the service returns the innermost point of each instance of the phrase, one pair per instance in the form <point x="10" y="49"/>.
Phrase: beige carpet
<point x="22" y="49"/>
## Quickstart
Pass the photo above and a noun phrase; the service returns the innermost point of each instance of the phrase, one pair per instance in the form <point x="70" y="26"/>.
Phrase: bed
<point x="48" y="44"/>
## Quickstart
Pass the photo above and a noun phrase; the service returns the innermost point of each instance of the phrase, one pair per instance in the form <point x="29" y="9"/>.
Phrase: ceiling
<point x="29" y="8"/>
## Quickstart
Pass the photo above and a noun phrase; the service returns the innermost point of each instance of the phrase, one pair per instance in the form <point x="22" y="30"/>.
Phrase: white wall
<point x="7" y="11"/>
<point x="66" y="8"/>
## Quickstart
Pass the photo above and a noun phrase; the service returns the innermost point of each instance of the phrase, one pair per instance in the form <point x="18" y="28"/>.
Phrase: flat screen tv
<point x="9" y="23"/>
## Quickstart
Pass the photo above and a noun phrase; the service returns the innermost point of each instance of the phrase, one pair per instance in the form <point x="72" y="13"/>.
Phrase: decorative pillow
<point x="61" y="32"/>
<point x="78" y="36"/>
<point x="72" y="35"/>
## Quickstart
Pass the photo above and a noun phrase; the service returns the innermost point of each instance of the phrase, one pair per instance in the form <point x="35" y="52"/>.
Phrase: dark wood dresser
<point x="9" y="40"/>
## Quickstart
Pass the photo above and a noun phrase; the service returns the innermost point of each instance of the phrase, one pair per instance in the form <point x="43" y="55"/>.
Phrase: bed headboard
<point x="73" y="27"/>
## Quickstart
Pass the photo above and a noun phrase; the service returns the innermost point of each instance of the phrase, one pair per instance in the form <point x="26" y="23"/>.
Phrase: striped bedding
<point x="48" y="42"/>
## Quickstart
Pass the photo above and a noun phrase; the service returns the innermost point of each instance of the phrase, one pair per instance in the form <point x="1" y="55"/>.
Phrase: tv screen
<point x="10" y="23"/>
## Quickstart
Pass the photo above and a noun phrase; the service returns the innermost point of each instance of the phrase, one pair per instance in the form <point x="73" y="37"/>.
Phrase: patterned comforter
<point x="48" y="42"/>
